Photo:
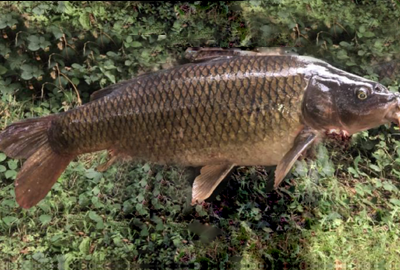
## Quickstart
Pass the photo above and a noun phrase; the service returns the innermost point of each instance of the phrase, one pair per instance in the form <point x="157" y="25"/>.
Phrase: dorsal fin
<point x="210" y="54"/>
<point x="108" y="90"/>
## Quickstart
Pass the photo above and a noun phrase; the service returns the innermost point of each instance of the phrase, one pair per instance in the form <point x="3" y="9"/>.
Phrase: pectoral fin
<point x="209" y="178"/>
<point x="302" y="141"/>
<point x="106" y="165"/>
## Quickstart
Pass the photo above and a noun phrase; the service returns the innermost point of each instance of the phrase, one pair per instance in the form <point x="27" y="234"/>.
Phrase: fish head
<point x="338" y="100"/>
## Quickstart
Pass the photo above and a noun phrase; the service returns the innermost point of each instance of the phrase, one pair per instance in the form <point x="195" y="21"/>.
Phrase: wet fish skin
<point x="193" y="114"/>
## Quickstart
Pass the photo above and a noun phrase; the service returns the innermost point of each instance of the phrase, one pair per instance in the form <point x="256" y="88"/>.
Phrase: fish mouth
<point x="393" y="114"/>
<point x="394" y="118"/>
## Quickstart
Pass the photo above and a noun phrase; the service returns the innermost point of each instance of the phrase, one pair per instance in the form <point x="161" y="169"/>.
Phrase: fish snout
<point x="393" y="114"/>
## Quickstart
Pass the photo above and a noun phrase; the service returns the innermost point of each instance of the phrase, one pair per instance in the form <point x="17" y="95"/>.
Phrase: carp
<point x="228" y="110"/>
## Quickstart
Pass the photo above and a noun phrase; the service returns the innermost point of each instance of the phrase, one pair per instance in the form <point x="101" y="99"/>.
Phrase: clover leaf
<point x="29" y="72"/>
<point x="36" y="43"/>
<point x="7" y="20"/>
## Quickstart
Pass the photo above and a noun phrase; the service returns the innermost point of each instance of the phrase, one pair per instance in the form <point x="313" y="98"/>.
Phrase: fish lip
<point x="393" y="112"/>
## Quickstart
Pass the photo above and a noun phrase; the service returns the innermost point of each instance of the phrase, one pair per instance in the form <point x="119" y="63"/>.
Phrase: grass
<point x="339" y="210"/>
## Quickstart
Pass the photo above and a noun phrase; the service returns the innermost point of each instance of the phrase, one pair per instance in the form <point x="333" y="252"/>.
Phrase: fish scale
<point x="212" y="107"/>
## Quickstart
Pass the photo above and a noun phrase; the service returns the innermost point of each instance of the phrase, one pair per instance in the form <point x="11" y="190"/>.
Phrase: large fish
<point x="254" y="109"/>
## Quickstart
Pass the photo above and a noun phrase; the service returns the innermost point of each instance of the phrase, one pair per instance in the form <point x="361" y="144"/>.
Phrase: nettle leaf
<point x="7" y="20"/>
<point x="36" y="43"/>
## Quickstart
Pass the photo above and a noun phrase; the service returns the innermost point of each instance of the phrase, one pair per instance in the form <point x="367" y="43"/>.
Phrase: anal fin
<point x="210" y="177"/>
<point x="305" y="138"/>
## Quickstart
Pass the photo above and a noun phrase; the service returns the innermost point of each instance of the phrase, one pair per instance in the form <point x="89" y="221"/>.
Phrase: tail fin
<point x="28" y="139"/>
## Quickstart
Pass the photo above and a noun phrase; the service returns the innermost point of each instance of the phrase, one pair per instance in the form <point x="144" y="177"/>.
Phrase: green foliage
<point x="341" y="208"/>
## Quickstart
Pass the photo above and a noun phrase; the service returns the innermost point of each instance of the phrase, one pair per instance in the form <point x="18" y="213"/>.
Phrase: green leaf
<point x="92" y="174"/>
<point x="11" y="174"/>
<point x="40" y="10"/>
<point x="95" y="217"/>
<point x="344" y="44"/>
<point x="12" y="164"/>
<point x="84" y="20"/>
<point x="177" y="242"/>
<point x="84" y="246"/>
<point x="375" y="168"/>
<point x="7" y="20"/>
<point x="8" y="220"/>
<point x="45" y="219"/>
<point x="359" y="189"/>
<point x="2" y="157"/>
<point x="146" y="167"/>
<point x="29" y="72"/>
<point x="160" y="227"/>
<point x="140" y="198"/>
<point x="39" y="257"/>
<point x="110" y="76"/>
<point x="3" y="70"/>
<point x="368" y="34"/>
<point x="83" y="200"/>
<point x="2" y="168"/>
<point x="342" y="54"/>
<point x="36" y="43"/>
<point x="117" y="241"/>
<point x="136" y="44"/>
<point x="395" y="202"/>
<point x="4" y="50"/>
<point x="353" y="171"/>
<point x="56" y="31"/>
<point x="388" y="186"/>
<point x="361" y="52"/>
<point x="161" y="37"/>
<point x="96" y="190"/>
<point x="33" y="43"/>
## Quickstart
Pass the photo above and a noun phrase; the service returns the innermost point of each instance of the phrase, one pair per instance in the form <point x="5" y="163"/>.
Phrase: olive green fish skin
<point x="244" y="110"/>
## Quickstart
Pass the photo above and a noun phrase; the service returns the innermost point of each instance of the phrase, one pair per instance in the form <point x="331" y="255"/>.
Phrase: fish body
<point x="195" y="114"/>
<point x="254" y="109"/>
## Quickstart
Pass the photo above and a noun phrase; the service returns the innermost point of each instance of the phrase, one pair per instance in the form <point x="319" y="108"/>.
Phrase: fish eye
<point x="362" y="94"/>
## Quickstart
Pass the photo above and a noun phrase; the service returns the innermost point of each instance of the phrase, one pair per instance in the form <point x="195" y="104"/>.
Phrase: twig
<point x="73" y="85"/>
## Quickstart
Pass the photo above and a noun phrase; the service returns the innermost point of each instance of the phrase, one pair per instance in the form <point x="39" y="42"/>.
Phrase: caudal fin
<point x="28" y="139"/>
